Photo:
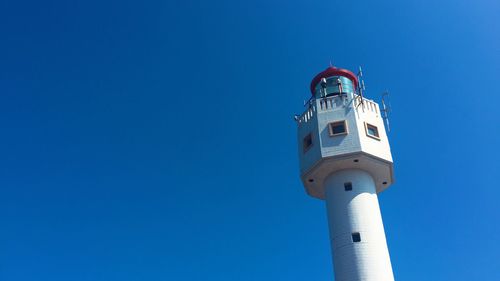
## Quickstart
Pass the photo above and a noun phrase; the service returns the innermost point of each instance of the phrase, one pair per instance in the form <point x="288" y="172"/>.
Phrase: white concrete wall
<point x="308" y="125"/>
<point x="369" y="112"/>
<point x="341" y="144"/>
<point x="321" y="112"/>
<point x="356" y="211"/>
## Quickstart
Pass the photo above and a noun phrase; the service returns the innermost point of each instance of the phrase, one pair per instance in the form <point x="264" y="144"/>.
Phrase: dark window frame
<point x="307" y="142"/>
<point x="369" y="127"/>
<point x="331" y="128"/>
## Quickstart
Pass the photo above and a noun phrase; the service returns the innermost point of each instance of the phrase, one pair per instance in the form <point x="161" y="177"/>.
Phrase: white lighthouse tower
<point x="345" y="159"/>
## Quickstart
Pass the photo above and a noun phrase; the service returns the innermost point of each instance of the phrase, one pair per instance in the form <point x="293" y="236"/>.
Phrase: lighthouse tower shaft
<point x="356" y="231"/>
<point x="345" y="159"/>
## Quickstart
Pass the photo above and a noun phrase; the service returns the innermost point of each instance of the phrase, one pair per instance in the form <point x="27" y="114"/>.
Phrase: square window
<point x="372" y="131"/>
<point x="337" y="128"/>
<point x="356" y="237"/>
<point x="348" y="186"/>
<point x="307" y="142"/>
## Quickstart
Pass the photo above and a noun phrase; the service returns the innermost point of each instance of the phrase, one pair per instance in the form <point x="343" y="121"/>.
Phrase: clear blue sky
<point x="154" y="140"/>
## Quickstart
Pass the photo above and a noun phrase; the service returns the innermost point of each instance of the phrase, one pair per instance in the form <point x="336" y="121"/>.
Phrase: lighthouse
<point x="345" y="160"/>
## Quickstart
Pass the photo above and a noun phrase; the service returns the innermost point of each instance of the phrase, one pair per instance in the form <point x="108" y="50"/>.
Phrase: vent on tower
<point x="356" y="237"/>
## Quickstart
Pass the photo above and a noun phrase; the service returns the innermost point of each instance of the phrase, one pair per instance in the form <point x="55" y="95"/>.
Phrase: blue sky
<point x="155" y="140"/>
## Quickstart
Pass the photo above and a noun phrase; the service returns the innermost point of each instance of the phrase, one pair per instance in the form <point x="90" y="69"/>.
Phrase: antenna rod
<point x="361" y="86"/>
<point x="386" y="110"/>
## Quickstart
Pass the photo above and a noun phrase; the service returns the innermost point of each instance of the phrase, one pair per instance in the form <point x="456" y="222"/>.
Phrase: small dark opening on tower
<point x="356" y="237"/>
<point x="348" y="186"/>
<point x="356" y="160"/>
<point x="384" y="182"/>
<point x="311" y="180"/>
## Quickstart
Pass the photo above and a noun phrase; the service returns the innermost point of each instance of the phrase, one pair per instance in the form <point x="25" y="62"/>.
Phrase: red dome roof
<point x="333" y="71"/>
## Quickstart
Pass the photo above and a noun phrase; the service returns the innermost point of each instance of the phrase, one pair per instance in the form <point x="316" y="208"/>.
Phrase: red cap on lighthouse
<point x="333" y="71"/>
